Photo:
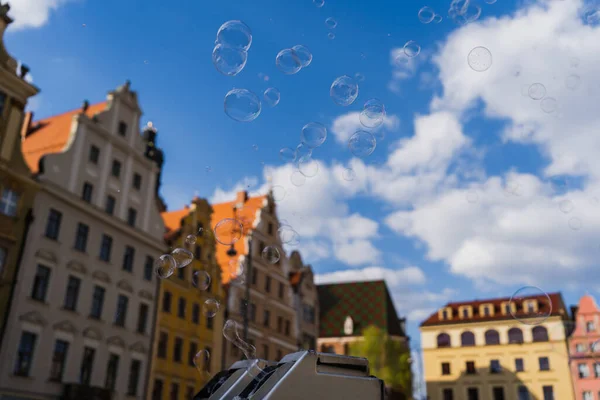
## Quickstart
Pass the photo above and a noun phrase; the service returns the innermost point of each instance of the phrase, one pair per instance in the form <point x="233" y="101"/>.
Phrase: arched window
<point x="540" y="334"/>
<point x="492" y="337"/>
<point x="467" y="339"/>
<point x="515" y="335"/>
<point x="443" y="340"/>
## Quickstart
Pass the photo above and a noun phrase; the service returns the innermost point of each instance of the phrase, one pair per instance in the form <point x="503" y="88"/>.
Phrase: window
<point x="142" y="318"/>
<point x="584" y="370"/>
<point x="25" y="353"/>
<point x="192" y="353"/>
<point x="580" y="348"/>
<point x="209" y="322"/>
<point x="174" y="394"/>
<point x="507" y="308"/>
<point x="443" y="340"/>
<point x="2" y="260"/>
<point x="2" y="102"/>
<point x="59" y="357"/>
<point x="53" y="224"/>
<point x="470" y="367"/>
<point x="105" y="248"/>
<point x="266" y="318"/>
<point x="9" y="202"/>
<point x="495" y="367"/>
<point x="116" y="168"/>
<point x="589" y="326"/>
<point x="548" y="392"/>
<point x="523" y="393"/>
<point x="540" y="334"/>
<point x="40" y="283"/>
<point x="519" y="366"/>
<point x="181" y="307"/>
<point x="252" y="312"/>
<point x="97" y="302"/>
<point x="177" y="347"/>
<point x="530" y="308"/>
<point x="157" y="390"/>
<point x="111" y="372"/>
<point x="544" y="364"/>
<point x="270" y="229"/>
<point x="308" y="313"/>
<point x="109" y="207"/>
<point x="588" y="396"/>
<point x="445" y="368"/>
<point x="189" y="394"/>
<point x="207" y="360"/>
<point x="498" y="393"/>
<point x="122" y="128"/>
<point x="472" y="394"/>
<point x="166" y="303"/>
<point x="180" y="273"/>
<point x="163" y="338"/>
<point x="86" y="194"/>
<point x="137" y="181"/>
<point x="121" y="314"/>
<point x="198" y="252"/>
<point x="94" y="154"/>
<point x="81" y="237"/>
<point x="515" y="335"/>
<point x="128" y="258"/>
<point x="281" y="287"/>
<point x="131" y="216"/>
<point x="268" y="284"/>
<point x="254" y="276"/>
<point x="597" y="370"/>
<point x="148" y="268"/>
<point x="287" y="327"/>
<point x="87" y="363"/>
<point x="279" y="324"/>
<point x="196" y="314"/>
<point x="73" y="285"/>
<point x="492" y="337"/>
<point x="266" y="351"/>
<point x="486" y="311"/>
<point x="467" y="339"/>
<point x="447" y="394"/>
<point x="134" y="377"/>
<point x="465" y="313"/>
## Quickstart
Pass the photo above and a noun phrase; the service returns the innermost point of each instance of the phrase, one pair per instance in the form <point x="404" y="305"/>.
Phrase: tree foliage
<point x="389" y="359"/>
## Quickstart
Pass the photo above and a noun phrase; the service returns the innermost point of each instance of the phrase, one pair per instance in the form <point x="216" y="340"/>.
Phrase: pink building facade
<point x="584" y="348"/>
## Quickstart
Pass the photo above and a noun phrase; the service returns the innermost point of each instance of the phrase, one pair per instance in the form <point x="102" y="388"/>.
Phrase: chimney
<point x="26" y="124"/>
<point x="85" y="106"/>
<point x="241" y="197"/>
<point x="24" y="71"/>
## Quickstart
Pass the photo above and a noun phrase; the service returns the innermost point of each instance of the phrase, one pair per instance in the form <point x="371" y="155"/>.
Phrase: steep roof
<point x="556" y="302"/>
<point x="51" y="135"/>
<point x="172" y="219"/>
<point x="367" y="303"/>
<point x="587" y="305"/>
<point x="246" y="209"/>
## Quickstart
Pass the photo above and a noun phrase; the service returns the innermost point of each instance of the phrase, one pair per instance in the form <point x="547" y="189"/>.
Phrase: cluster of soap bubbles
<point x="427" y="15"/>
<point x="231" y="47"/>
<point x="537" y="91"/>
<point x="292" y="60"/>
<point x="312" y="135"/>
<point x="331" y="24"/>
<point x="167" y="264"/>
<point x="463" y="12"/>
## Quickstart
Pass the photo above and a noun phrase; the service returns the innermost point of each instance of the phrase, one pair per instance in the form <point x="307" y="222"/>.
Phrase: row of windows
<point x="81" y="241"/>
<point x="115" y="171"/>
<point x="588" y="395"/>
<point x="167" y="301"/>
<point x="25" y="354"/>
<point x="498" y="393"/>
<point x="235" y="351"/>
<point x="283" y="325"/>
<point x="157" y="391"/>
<point x="492" y="337"/>
<point x="40" y="289"/>
<point x="178" y="342"/>
<point x="254" y="280"/>
<point x="109" y="204"/>
<point x="496" y="368"/>
<point x="488" y="310"/>
<point x="583" y="370"/>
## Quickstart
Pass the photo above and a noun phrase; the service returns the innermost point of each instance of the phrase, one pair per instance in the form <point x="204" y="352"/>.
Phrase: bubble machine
<point x="302" y="375"/>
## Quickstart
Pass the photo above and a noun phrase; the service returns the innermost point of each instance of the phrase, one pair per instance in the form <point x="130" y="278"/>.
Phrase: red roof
<point x="556" y="302"/>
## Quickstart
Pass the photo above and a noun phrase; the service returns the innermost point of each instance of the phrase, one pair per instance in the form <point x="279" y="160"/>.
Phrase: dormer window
<point x="465" y="313"/>
<point x="530" y="307"/>
<point x="486" y="311"/>
<point x="444" y="314"/>
<point x="506" y="308"/>
<point x="122" y="128"/>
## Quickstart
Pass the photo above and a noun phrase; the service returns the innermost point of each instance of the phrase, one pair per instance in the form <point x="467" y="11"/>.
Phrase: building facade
<point x="17" y="189"/>
<point x="477" y="350"/>
<point x="584" y="348"/>
<point x="306" y="302"/>
<point x="184" y="328"/>
<point x="81" y="323"/>
<point x="270" y="309"/>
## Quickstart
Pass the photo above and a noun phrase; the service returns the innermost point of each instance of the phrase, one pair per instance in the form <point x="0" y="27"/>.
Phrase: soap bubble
<point x="231" y="333"/>
<point x="164" y="266"/>
<point x="303" y="54"/>
<point x="426" y="15"/>
<point x="572" y="82"/>
<point x="242" y="105"/>
<point x="349" y="174"/>
<point x="362" y="144"/>
<point x="537" y="91"/>
<point x="533" y="313"/>
<point x="549" y="105"/>
<point x="235" y="34"/>
<point x="201" y="280"/>
<point x="229" y="60"/>
<point x="287" y="155"/>
<point x="271" y="254"/>
<point x="309" y="167"/>
<point x="313" y="134"/>
<point x="272" y="96"/>
<point x="575" y="224"/>
<point x="288" y="62"/>
<point x="319" y="3"/>
<point x="344" y="90"/>
<point x="330" y="23"/>
<point x="331" y="35"/>
<point x="480" y="59"/>
<point x="190" y="239"/>
<point x="303" y="153"/>
<point x="202" y="361"/>
<point x="566" y="206"/>
<point x="182" y="257"/>
<point x="287" y="234"/>
<point x="411" y="49"/>
<point x="297" y="178"/>
<point x="228" y="231"/>
<point x="373" y="113"/>
<point x="437" y="19"/>
<point x="211" y="307"/>
<point x="278" y="193"/>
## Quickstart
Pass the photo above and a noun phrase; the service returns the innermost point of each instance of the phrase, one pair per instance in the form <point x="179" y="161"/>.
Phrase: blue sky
<point x="455" y="203"/>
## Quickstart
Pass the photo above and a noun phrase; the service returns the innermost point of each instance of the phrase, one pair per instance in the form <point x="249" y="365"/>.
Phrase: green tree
<point x="389" y="359"/>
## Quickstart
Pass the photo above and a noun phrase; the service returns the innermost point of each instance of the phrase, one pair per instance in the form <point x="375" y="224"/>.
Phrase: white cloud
<point x="405" y="276"/>
<point x="403" y="67"/>
<point x="345" y="125"/>
<point x="357" y="252"/>
<point x="32" y="13"/>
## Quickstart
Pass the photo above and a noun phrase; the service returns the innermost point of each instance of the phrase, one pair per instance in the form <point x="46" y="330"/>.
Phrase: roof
<point x="587" y="305"/>
<point x="51" y="135"/>
<point x="367" y="303"/>
<point x="246" y="215"/>
<point x="558" y="308"/>
<point x="172" y="219"/>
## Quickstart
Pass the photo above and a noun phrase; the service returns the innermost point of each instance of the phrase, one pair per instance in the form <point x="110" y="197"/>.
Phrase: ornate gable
<point x="124" y="285"/>
<point x="47" y="255"/>
<point x="101" y="276"/>
<point x="77" y="267"/>
<point x="115" y="341"/>
<point x="33" y="317"/>
<point x="92" y="333"/>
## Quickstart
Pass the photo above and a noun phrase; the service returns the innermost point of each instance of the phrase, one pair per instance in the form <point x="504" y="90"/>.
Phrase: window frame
<point x="57" y="366"/>
<point x="115" y="169"/>
<point x="9" y="199"/>
<point x="72" y="293"/>
<point x="25" y="355"/>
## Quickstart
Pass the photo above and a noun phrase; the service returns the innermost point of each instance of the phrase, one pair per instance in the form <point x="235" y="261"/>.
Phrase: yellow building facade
<point x="182" y="327"/>
<point x="479" y="350"/>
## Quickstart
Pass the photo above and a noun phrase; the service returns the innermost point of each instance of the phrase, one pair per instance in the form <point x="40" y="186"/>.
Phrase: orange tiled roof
<point x="246" y="216"/>
<point x="172" y="219"/>
<point x="50" y="135"/>
<point x="558" y="308"/>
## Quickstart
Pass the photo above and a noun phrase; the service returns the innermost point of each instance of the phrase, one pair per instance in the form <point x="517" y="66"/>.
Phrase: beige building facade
<point x="82" y="319"/>
<point x="306" y="302"/>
